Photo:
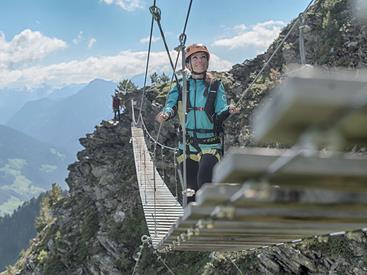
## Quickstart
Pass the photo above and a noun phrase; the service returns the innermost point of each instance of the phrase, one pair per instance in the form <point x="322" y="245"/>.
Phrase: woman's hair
<point x="208" y="78"/>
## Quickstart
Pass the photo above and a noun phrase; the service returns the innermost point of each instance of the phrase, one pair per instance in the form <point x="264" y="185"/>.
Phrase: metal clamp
<point x="145" y="239"/>
<point x="156" y="12"/>
<point x="182" y="39"/>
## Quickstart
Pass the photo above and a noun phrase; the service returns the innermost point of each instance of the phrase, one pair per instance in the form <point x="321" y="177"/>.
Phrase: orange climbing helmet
<point x="195" y="48"/>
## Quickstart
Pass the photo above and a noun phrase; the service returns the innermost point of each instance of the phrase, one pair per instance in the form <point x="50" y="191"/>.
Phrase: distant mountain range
<point x="27" y="168"/>
<point x="42" y="137"/>
<point x="12" y="100"/>
<point x="63" y="121"/>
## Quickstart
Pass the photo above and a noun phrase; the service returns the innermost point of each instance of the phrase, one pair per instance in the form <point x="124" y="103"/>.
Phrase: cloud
<point x="260" y="35"/>
<point x="219" y="64"/>
<point x="124" y="65"/>
<point x="128" y="5"/>
<point x="145" y="40"/>
<point x="91" y="42"/>
<point x="240" y="28"/>
<point x="78" y="39"/>
<point x="18" y="69"/>
<point x="26" y="47"/>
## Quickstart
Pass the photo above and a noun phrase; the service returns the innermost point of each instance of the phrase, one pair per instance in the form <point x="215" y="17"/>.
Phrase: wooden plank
<point x="273" y="222"/>
<point x="275" y="214"/>
<point x="206" y="247"/>
<point x="333" y="172"/>
<point x="218" y="243"/>
<point x="302" y="103"/>
<point x="257" y="227"/>
<point x="265" y="195"/>
<point x="241" y="243"/>
<point x="271" y="229"/>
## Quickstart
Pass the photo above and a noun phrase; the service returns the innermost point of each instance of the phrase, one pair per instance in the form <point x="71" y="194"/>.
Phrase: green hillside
<point x="16" y="231"/>
<point x="27" y="168"/>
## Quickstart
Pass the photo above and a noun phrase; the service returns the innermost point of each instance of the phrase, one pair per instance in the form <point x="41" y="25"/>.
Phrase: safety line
<point x="183" y="33"/>
<point x="274" y="53"/>
<point x="144" y="240"/>
<point x="147" y="65"/>
<point x="156" y="12"/>
<point x="156" y="141"/>
<point x="159" y="257"/>
<point x="156" y="16"/>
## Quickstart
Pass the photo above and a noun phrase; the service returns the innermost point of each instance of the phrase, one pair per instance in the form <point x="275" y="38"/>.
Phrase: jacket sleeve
<point x="171" y="102"/>
<point x="221" y="105"/>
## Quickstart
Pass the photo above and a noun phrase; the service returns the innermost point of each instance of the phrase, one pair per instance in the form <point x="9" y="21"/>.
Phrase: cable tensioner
<point x="156" y="12"/>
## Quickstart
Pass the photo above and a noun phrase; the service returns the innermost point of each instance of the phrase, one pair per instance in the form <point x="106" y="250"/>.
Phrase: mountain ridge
<point x="61" y="122"/>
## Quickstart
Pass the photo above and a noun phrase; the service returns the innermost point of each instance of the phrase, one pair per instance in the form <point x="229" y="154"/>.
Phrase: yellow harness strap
<point x="197" y="157"/>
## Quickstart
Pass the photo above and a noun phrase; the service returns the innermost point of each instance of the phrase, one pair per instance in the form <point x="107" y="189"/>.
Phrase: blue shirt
<point x="198" y="119"/>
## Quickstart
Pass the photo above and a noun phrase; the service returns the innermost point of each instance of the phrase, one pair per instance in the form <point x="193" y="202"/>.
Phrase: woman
<point x="207" y="108"/>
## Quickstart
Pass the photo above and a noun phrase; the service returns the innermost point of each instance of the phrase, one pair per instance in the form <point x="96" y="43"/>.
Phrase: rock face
<point x="84" y="237"/>
<point x="342" y="254"/>
<point x="96" y="229"/>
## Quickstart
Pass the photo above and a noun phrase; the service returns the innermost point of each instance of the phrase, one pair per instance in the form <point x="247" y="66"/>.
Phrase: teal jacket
<point x="198" y="119"/>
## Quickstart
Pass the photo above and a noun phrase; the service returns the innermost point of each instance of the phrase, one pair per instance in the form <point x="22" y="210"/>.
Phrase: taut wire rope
<point x="144" y="240"/>
<point x="156" y="12"/>
<point x="274" y="53"/>
<point x="156" y="15"/>
<point x="147" y="65"/>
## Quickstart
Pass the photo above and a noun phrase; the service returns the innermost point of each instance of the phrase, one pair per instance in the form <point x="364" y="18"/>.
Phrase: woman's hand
<point x="162" y="116"/>
<point x="233" y="109"/>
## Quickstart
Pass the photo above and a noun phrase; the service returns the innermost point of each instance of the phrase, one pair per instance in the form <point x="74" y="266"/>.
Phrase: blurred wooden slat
<point x="302" y="104"/>
<point x="329" y="172"/>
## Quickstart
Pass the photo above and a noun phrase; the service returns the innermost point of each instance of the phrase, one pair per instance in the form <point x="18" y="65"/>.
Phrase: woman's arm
<point x="168" y="110"/>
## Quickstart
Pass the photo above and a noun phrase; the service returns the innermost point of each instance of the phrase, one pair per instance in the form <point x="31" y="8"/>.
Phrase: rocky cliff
<point x="96" y="229"/>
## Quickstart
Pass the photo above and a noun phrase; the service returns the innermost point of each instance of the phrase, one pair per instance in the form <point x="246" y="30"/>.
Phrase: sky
<point x="62" y="42"/>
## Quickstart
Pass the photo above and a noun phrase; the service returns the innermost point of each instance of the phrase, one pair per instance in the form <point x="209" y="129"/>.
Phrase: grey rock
<point x="119" y="216"/>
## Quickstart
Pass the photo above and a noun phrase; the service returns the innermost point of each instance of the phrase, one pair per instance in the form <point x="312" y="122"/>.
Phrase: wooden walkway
<point x="161" y="209"/>
<point x="229" y="217"/>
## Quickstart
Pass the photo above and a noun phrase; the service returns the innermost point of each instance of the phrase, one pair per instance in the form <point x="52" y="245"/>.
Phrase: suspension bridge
<point x="262" y="196"/>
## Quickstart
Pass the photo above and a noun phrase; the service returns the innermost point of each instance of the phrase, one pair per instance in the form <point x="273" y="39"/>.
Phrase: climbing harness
<point x="196" y="156"/>
<point x="209" y="108"/>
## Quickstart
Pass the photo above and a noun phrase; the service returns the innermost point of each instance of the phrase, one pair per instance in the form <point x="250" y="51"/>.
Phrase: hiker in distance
<point x="116" y="106"/>
<point x="207" y="109"/>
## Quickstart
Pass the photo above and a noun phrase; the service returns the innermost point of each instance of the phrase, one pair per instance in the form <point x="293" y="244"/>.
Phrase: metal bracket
<point x="156" y="12"/>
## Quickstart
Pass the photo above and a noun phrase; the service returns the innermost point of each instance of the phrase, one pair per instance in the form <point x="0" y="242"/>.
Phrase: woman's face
<point x="199" y="62"/>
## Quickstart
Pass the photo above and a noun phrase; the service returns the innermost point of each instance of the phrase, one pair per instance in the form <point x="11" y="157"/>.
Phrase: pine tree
<point x="45" y="216"/>
<point x="125" y="86"/>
